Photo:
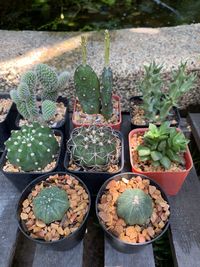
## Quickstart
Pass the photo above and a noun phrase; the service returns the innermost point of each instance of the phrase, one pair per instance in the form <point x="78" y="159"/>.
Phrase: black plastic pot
<point x="65" y="243"/>
<point x="21" y="179"/>
<point x="8" y="124"/>
<point x="138" y="101"/>
<point x="62" y="125"/>
<point x="113" y="240"/>
<point x="92" y="179"/>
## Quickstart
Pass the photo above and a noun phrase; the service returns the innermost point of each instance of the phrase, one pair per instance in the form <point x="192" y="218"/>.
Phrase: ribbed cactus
<point x="134" y="206"/>
<point x="107" y="82"/>
<point x="32" y="147"/>
<point x="87" y="85"/>
<point x="50" y="204"/>
<point x="94" y="147"/>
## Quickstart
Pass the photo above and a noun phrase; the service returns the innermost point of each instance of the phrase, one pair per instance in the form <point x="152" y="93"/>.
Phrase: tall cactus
<point x="107" y="82"/>
<point x="87" y="85"/>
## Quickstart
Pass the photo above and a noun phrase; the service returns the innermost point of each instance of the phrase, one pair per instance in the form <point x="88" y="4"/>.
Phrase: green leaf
<point x="162" y="145"/>
<point x="165" y="162"/>
<point x="145" y="158"/>
<point x="156" y="155"/>
<point x="143" y="151"/>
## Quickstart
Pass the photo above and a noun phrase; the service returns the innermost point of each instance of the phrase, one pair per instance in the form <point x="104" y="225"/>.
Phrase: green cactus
<point x="32" y="147"/>
<point x="48" y="109"/>
<point x="87" y="85"/>
<point x="107" y="82"/>
<point x="50" y="204"/>
<point x="134" y="206"/>
<point x="94" y="147"/>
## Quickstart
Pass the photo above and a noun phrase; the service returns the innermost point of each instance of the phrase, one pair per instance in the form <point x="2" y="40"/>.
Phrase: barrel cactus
<point x="134" y="206"/>
<point x="50" y="204"/>
<point x="94" y="147"/>
<point x="87" y="85"/>
<point x="32" y="147"/>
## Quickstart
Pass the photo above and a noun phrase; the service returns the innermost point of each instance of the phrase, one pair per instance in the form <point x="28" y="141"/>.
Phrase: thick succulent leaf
<point x="165" y="162"/>
<point x="155" y="155"/>
<point x="143" y="151"/>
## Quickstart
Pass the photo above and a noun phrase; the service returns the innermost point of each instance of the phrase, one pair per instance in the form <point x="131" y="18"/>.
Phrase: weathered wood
<point x="194" y="119"/>
<point x="8" y="223"/>
<point x="185" y="223"/>
<point x="46" y="257"/>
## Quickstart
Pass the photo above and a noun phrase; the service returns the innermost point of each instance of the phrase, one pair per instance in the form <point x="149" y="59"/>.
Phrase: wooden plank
<point x="194" y="119"/>
<point x="8" y="230"/>
<point x="185" y="223"/>
<point x="45" y="256"/>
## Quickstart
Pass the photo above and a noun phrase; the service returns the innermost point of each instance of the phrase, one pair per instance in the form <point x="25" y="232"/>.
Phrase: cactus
<point x="162" y="146"/>
<point x="134" y="206"/>
<point x="87" y="85"/>
<point x="94" y="147"/>
<point x="32" y="147"/>
<point x="107" y="82"/>
<point x="50" y="204"/>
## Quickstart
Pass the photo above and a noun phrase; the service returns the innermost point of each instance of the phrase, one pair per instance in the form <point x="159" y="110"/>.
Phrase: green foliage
<point x="162" y="145"/>
<point x="157" y="105"/>
<point x="134" y="206"/>
<point x="50" y="204"/>
<point x="32" y="147"/>
<point x="94" y="147"/>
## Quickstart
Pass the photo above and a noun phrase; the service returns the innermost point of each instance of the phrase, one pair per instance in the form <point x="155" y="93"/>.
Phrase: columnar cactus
<point x="107" y="82"/>
<point x="32" y="147"/>
<point x="50" y="204"/>
<point x="87" y="85"/>
<point x="134" y="206"/>
<point x="94" y="147"/>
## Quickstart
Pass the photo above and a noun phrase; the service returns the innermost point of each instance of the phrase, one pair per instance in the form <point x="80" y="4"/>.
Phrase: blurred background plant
<point x="86" y="15"/>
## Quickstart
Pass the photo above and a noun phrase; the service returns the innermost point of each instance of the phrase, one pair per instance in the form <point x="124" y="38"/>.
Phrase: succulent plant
<point x="107" y="82"/>
<point x="163" y="145"/>
<point x="134" y="206"/>
<point x="25" y="95"/>
<point x="32" y="147"/>
<point x="87" y="85"/>
<point x="50" y="204"/>
<point x="94" y="147"/>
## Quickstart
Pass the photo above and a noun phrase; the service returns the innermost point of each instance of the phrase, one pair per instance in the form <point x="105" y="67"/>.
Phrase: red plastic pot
<point x="113" y="126"/>
<point x="171" y="182"/>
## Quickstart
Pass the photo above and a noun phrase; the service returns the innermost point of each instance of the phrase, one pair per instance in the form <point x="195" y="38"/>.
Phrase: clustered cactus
<point x="92" y="99"/>
<point x="32" y="147"/>
<point x="134" y="206"/>
<point x="50" y="204"/>
<point x="25" y="95"/>
<point x="157" y="105"/>
<point x="162" y="146"/>
<point x="94" y="147"/>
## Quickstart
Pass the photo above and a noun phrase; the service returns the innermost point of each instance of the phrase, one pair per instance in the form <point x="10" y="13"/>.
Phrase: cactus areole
<point x="134" y="206"/>
<point x="50" y="204"/>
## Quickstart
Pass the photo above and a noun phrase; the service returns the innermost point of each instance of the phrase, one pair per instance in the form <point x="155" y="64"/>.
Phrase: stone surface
<point x="130" y="49"/>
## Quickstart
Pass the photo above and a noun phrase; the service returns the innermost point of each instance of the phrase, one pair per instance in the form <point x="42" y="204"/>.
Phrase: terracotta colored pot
<point x="113" y="126"/>
<point x="171" y="182"/>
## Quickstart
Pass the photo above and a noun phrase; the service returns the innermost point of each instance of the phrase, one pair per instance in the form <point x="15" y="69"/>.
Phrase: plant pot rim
<point x="117" y="124"/>
<point x="98" y="172"/>
<point x="142" y="130"/>
<point x="3" y="159"/>
<point x="6" y="96"/>
<point x="132" y="174"/>
<point x="34" y="182"/>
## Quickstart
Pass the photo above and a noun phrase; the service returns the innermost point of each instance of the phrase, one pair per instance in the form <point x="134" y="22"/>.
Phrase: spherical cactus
<point x="134" y="206"/>
<point x="50" y="204"/>
<point x="94" y="147"/>
<point x="32" y="147"/>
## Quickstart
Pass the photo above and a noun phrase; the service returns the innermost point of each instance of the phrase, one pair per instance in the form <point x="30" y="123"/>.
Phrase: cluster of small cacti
<point x="94" y="147"/>
<point x="157" y="105"/>
<point x="25" y="95"/>
<point x="162" y="145"/>
<point x="87" y="84"/>
<point x="32" y="147"/>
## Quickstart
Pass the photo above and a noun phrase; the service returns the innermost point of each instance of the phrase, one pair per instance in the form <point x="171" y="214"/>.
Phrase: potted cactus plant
<point x="162" y="154"/>
<point x="92" y="105"/>
<point x="53" y="210"/>
<point x="132" y="210"/>
<point x="49" y="104"/>
<point x="94" y="153"/>
<point x="29" y="152"/>
<point x="154" y="106"/>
